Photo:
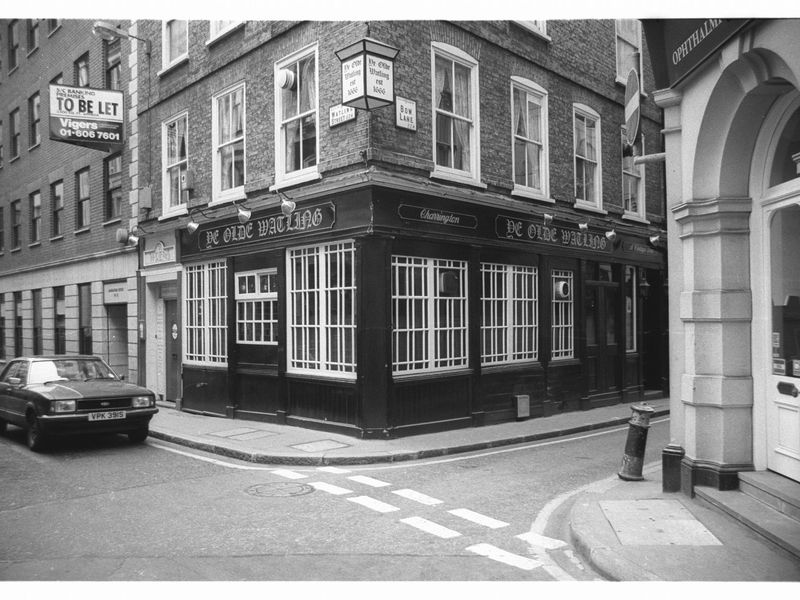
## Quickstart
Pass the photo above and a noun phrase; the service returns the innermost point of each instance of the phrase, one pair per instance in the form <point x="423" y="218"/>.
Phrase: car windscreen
<point x="72" y="369"/>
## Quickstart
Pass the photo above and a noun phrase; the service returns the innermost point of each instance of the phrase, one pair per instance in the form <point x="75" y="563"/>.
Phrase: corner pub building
<point x="480" y="251"/>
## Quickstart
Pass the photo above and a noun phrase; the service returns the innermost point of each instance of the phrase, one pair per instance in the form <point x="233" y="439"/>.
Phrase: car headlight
<point x="63" y="406"/>
<point x="142" y="401"/>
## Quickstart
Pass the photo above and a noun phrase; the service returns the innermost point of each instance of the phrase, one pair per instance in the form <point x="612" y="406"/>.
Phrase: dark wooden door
<point x="172" y="336"/>
<point x="603" y="338"/>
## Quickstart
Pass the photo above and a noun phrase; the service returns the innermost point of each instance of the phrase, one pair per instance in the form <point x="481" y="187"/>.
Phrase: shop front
<point x="381" y="313"/>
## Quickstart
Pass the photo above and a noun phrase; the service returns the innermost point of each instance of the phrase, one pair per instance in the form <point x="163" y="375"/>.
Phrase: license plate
<point x="107" y="416"/>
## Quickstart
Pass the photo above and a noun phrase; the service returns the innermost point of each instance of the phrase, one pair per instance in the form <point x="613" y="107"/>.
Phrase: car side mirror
<point x="14" y="380"/>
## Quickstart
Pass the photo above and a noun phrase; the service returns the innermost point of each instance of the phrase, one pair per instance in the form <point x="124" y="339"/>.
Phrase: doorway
<point x="172" y="357"/>
<point x="601" y="317"/>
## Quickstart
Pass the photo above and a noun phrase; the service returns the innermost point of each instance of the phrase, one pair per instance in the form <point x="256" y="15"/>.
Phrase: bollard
<point x="633" y="459"/>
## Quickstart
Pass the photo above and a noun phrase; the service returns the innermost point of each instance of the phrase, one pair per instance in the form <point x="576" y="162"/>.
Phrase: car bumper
<point x="72" y="424"/>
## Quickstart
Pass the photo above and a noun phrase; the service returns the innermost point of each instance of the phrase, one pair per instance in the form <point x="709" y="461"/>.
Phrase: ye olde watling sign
<point x="529" y="231"/>
<point x="312" y="218"/>
<point x="447" y="218"/>
<point x="87" y="117"/>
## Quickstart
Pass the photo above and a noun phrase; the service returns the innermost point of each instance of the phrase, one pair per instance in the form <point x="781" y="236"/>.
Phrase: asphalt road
<point x="104" y="510"/>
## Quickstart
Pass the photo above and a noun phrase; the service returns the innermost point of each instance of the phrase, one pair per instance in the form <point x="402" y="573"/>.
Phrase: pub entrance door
<point x="601" y="319"/>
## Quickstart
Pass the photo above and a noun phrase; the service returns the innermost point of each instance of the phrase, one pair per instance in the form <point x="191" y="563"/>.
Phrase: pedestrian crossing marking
<point x="478" y="518"/>
<point x="288" y="474"/>
<point x="333" y="470"/>
<point x="417" y="497"/>
<point x="376" y="483"/>
<point x="430" y="527"/>
<point x="331" y="489"/>
<point x="375" y="505"/>
<point x="503" y="556"/>
<point x="541" y="541"/>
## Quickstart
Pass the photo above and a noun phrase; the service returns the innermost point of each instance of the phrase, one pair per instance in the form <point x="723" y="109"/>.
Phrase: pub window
<point x="322" y="309"/>
<point x="586" y="125"/>
<point x="113" y="187"/>
<point x="455" y="109"/>
<point x="59" y="321"/>
<point x="35" y="214"/>
<point x="562" y="315"/>
<point x="257" y="307"/>
<point x="82" y="71"/>
<point x="175" y="42"/>
<point x="205" y="328"/>
<point x="57" y="206"/>
<point x="296" y="102"/>
<point x="85" y="318"/>
<point x="630" y="308"/>
<point x="34" y="120"/>
<point x="228" y="139"/>
<point x="82" y="193"/>
<point x="175" y="156"/>
<point x="530" y="138"/>
<point x="510" y="307"/>
<point x="429" y="314"/>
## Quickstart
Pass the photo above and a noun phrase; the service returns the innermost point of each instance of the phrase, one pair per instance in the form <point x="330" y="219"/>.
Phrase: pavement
<point x="626" y="530"/>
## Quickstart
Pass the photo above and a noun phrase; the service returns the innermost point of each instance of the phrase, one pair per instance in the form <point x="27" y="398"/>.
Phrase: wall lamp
<point x="193" y="225"/>
<point x="548" y="218"/>
<point x="611" y="235"/>
<point x="242" y="213"/>
<point x="287" y="206"/>
<point x="109" y="32"/>
<point x="583" y="226"/>
<point x="655" y="240"/>
<point x="130" y="237"/>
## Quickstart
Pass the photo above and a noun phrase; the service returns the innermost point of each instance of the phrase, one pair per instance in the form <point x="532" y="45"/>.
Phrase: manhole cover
<point x="282" y="489"/>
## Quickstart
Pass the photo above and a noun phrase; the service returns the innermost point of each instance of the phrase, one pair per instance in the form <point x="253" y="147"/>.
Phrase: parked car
<point x="71" y="395"/>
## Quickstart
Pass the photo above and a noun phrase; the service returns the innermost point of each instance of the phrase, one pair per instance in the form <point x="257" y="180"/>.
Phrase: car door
<point x="12" y="406"/>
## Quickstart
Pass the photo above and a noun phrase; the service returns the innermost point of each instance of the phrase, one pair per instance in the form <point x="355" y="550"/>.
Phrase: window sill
<point x="182" y="211"/>
<point x="49" y="33"/>
<point x="227" y="196"/>
<point x="579" y="205"/>
<point x="14" y="159"/>
<point x="82" y="231"/>
<point x="458" y="178"/>
<point x="637" y="218"/>
<point x="173" y="65"/>
<point x="15" y="250"/>
<point x="32" y="52"/>
<point x="112" y="221"/>
<point x="57" y="238"/>
<point x="288" y="182"/>
<point x="332" y="377"/>
<point x="535" y="31"/>
<point x="223" y="34"/>
<point x="523" y="192"/>
<point x="10" y="71"/>
<point x="34" y="244"/>
<point x="36" y="145"/>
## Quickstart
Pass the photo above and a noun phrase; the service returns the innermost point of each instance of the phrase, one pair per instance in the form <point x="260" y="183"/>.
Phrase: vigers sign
<point x="87" y="117"/>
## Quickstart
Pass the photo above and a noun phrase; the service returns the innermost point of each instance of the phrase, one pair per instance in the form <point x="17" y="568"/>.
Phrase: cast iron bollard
<point x="633" y="459"/>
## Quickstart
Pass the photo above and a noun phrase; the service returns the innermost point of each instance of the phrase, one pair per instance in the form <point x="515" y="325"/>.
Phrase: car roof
<point x="57" y="357"/>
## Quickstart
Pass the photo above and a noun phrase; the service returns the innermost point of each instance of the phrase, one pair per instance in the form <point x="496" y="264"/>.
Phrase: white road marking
<point x="430" y="527"/>
<point x="418" y="497"/>
<point x="333" y="470"/>
<point x="213" y="461"/>
<point x="289" y="474"/>
<point x="478" y="518"/>
<point x="331" y="489"/>
<point x="375" y="505"/>
<point x="541" y="541"/>
<point x="376" y="483"/>
<point x="495" y="553"/>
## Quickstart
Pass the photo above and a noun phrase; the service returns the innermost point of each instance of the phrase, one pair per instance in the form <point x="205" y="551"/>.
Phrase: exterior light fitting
<point x="583" y="226"/>
<point x="367" y="74"/>
<point x="548" y="218"/>
<point x="110" y="32"/>
<point x="192" y="226"/>
<point x="287" y="206"/>
<point x="130" y="237"/>
<point x="611" y="235"/>
<point x="655" y="239"/>
<point x="243" y="213"/>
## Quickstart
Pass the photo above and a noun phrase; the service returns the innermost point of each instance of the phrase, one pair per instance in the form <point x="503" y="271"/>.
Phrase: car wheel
<point x="138" y="436"/>
<point x="36" y="439"/>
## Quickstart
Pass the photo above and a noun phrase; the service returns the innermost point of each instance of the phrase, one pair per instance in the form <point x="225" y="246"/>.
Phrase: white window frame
<point x="563" y="317"/>
<point x="639" y="174"/>
<point x="510" y="324"/>
<point x="205" y="321"/>
<point x="472" y="175"/>
<point x="180" y="208"/>
<point x="619" y="38"/>
<point x="582" y="111"/>
<point x="220" y="196"/>
<point x="284" y="178"/>
<point x="538" y="94"/>
<point x="168" y="61"/>
<point x="215" y="32"/>
<point x="538" y="26"/>
<point x="264" y="328"/>
<point x="320" y="331"/>
<point x="440" y="341"/>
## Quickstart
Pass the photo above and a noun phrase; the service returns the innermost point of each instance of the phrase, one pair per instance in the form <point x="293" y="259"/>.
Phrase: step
<point x="772" y="525"/>
<point x="781" y="493"/>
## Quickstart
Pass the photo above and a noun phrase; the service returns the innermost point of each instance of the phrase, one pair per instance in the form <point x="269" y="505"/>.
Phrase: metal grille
<point x="563" y="326"/>
<point x="510" y="304"/>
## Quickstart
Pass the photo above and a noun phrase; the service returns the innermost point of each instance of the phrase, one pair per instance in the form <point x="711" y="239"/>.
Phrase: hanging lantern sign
<point x="367" y="74"/>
